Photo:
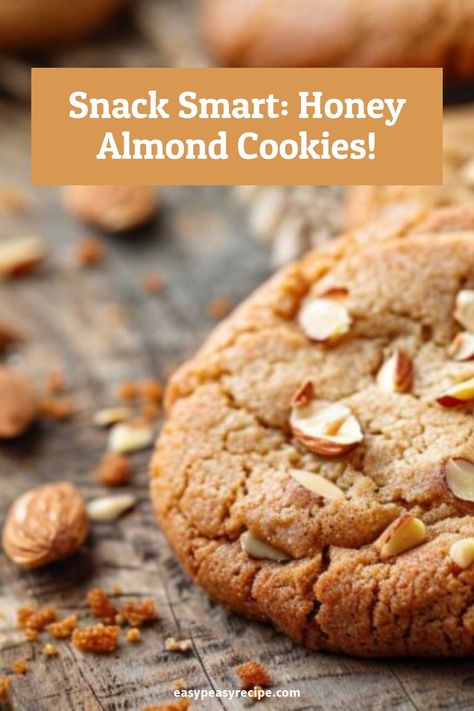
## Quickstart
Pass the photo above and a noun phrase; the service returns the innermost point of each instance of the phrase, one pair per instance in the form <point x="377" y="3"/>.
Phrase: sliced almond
<point x="332" y="431"/>
<point x="317" y="484"/>
<point x="111" y="415"/>
<point x="404" y="533"/>
<point x="457" y="394"/>
<point x="130" y="437"/>
<point x="459" y="475"/>
<point x="464" y="309"/>
<point x="108" y="508"/>
<point x="462" y="347"/>
<point x="396" y="374"/>
<point x="20" y="256"/>
<point x="462" y="552"/>
<point x="258" y="549"/>
<point x="325" y="319"/>
<point x="304" y="395"/>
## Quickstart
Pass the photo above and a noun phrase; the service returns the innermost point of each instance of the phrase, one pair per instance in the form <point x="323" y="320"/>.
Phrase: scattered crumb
<point x="180" y="683"/>
<point x="89" y="252"/>
<point x="117" y="590"/>
<point x="19" y="667"/>
<point x="64" y="628"/>
<point x="111" y="415"/>
<point x="133" y="635"/>
<point x="138" y="614"/>
<point x="4" y="688"/>
<point x="98" y="639"/>
<point x="153" y="283"/>
<point x="101" y="606"/>
<point x="113" y="470"/>
<point x="55" y="409"/>
<point x="152" y="390"/>
<point x="220" y="307"/>
<point x="128" y="390"/>
<point x="174" y="645"/>
<point x="13" y="200"/>
<point x="31" y="635"/>
<point x="179" y="705"/>
<point x="55" y="381"/>
<point x="150" y="411"/>
<point x="49" y="650"/>
<point x="252" y="674"/>
<point x="36" y="619"/>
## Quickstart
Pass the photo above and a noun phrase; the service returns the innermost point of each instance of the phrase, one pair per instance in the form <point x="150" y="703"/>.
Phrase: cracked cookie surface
<point x="223" y="465"/>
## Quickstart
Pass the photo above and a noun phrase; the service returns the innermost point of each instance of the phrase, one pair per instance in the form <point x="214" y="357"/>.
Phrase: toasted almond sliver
<point x="462" y="347"/>
<point x="462" y="552"/>
<point x="258" y="549"/>
<point x="459" y="475"/>
<point x="108" y="508"/>
<point x="457" y="394"/>
<point x="464" y="309"/>
<point x="20" y="255"/>
<point x="317" y="484"/>
<point x="325" y="319"/>
<point x="130" y="437"/>
<point x="111" y="415"/>
<point x="404" y="533"/>
<point x="332" y="431"/>
<point x="396" y="374"/>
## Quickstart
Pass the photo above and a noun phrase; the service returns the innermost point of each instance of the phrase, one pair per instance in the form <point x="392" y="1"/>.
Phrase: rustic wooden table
<point x="100" y="326"/>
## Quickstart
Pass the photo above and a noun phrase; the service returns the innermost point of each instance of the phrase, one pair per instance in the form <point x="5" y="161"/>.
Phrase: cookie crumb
<point x="55" y="381"/>
<point x="49" y="650"/>
<point x="252" y="674"/>
<point x="179" y="705"/>
<point x="36" y="619"/>
<point x="219" y="308"/>
<point x="113" y="470"/>
<point x="101" y="606"/>
<point x="4" y="688"/>
<point x="133" y="635"/>
<point x="89" y="252"/>
<point x="174" y="645"/>
<point x="138" y="614"/>
<point x="153" y="283"/>
<point x="31" y="635"/>
<point x="128" y="390"/>
<point x="19" y="666"/>
<point x="152" y="390"/>
<point x="98" y="639"/>
<point x="56" y="409"/>
<point x="180" y="683"/>
<point x="64" y="628"/>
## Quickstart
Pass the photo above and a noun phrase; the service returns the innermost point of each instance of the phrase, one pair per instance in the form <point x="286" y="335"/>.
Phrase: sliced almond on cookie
<point x="464" y="309"/>
<point x="331" y="431"/>
<point x="404" y="533"/>
<point x="317" y="484"/>
<point x="324" y="319"/>
<point x="457" y="394"/>
<point x="462" y="347"/>
<point x="256" y="548"/>
<point x="459" y="475"/>
<point x="462" y="552"/>
<point x="396" y="374"/>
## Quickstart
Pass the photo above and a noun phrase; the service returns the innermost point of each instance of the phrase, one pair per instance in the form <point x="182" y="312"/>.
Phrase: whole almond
<point x="18" y="404"/>
<point x="404" y="533"/>
<point x="45" y="524"/>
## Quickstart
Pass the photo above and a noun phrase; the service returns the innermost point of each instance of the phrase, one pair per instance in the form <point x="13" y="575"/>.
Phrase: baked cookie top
<point x="317" y="466"/>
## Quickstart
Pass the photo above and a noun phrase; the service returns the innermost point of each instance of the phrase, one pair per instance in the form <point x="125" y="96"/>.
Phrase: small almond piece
<point x="130" y="437"/>
<point x="332" y="431"/>
<point x="459" y="475"/>
<point x="108" y="508"/>
<point x="457" y="394"/>
<point x="20" y="256"/>
<point x="404" y="533"/>
<point x="464" y="309"/>
<point x="45" y="524"/>
<point x="113" y="208"/>
<point x="317" y="484"/>
<point x="462" y="347"/>
<point x="256" y="548"/>
<point x="109" y="416"/>
<point x="396" y="374"/>
<point x="18" y="404"/>
<point x="324" y="319"/>
<point x="462" y="552"/>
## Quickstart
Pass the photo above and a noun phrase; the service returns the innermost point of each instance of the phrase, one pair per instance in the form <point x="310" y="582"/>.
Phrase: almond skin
<point x="45" y="524"/>
<point x="18" y="404"/>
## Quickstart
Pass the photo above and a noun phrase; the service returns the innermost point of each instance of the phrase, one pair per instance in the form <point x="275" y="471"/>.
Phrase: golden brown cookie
<point x="315" y="470"/>
<point x="27" y="24"/>
<point x="368" y="202"/>
<point x="406" y="33"/>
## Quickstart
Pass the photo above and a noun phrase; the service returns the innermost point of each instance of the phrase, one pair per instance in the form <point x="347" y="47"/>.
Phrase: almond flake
<point x="462" y="347"/>
<point x="457" y="394"/>
<point x="459" y="475"/>
<point x="317" y="484"/>
<point x="130" y="437"/>
<point x="404" y="533"/>
<point x="324" y="319"/>
<point x="464" y="309"/>
<point x="331" y="431"/>
<point x="260" y="550"/>
<point x="110" y="416"/>
<point x="108" y="508"/>
<point x="396" y="374"/>
<point x="462" y="552"/>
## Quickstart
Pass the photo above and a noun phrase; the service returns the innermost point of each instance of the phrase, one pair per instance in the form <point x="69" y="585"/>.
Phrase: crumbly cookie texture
<point x="364" y="566"/>
<point x="368" y="202"/>
<point x="341" y="33"/>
